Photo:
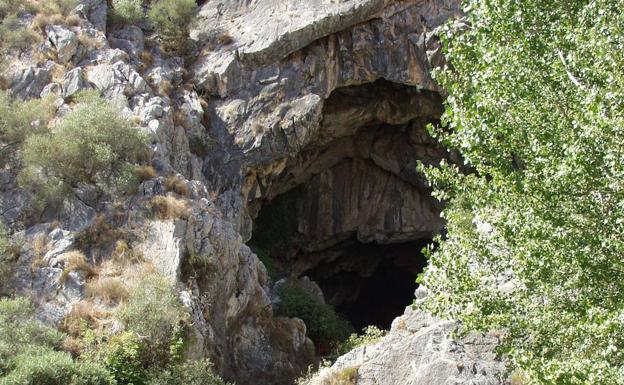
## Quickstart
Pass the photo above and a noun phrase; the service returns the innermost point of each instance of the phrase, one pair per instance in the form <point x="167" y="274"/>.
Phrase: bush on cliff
<point x="127" y="11"/>
<point x="324" y="326"/>
<point x="30" y="352"/>
<point x="94" y="144"/>
<point x="172" y="19"/>
<point x="536" y="232"/>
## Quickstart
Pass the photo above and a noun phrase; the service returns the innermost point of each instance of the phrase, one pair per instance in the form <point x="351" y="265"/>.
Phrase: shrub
<point x="127" y="11"/>
<point x="168" y="207"/>
<point x="7" y="263"/>
<point x="123" y="358"/>
<point x="177" y="184"/>
<point x="29" y="352"/>
<point x="154" y="312"/>
<point x="76" y="261"/>
<point x="49" y="367"/>
<point x="15" y="36"/>
<point x="172" y="19"/>
<point x="94" y="144"/>
<point x="198" y="146"/>
<point x="371" y="335"/>
<point x="110" y="289"/>
<point x="189" y="373"/>
<point x="19" y="119"/>
<point x="146" y="172"/>
<point x="324" y="325"/>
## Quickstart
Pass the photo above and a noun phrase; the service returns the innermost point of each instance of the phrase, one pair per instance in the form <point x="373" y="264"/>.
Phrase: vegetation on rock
<point x="172" y="19"/>
<point x="94" y="144"/>
<point x="324" y="326"/>
<point x="535" y="232"/>
<point x="127" y="11"/>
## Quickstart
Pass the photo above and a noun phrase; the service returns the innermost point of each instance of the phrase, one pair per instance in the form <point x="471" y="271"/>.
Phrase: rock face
<point x="330" y="97"/>
<point x="419" y="350"/>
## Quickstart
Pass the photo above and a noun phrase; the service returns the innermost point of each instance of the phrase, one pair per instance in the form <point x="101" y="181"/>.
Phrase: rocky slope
<point x="330" y="96"/>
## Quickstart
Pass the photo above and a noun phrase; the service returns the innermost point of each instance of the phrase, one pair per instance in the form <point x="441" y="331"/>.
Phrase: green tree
<point x="94" y="144"/>
<point x="536" y="229"/>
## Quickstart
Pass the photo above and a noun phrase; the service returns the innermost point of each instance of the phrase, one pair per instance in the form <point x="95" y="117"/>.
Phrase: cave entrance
<point x="371" y="284"/>
<point x="350" y="211"/>
<point x="366" y="282"/>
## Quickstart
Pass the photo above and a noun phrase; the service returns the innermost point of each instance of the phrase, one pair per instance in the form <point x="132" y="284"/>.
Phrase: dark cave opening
<point x="368" y="283"/>
<point x="374" y="293"/>
<point x="350" y="211"/>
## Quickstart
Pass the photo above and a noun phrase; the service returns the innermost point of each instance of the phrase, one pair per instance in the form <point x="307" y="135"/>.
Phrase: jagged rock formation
<point x="419" y="350"/>
<point x="331" y="97"/>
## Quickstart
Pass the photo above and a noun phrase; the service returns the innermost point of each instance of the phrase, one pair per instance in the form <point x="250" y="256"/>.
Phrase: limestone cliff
<point x="327" y="96"/>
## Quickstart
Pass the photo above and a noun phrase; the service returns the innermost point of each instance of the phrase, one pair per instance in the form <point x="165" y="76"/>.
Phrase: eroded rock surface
<point x="327" y="96"/>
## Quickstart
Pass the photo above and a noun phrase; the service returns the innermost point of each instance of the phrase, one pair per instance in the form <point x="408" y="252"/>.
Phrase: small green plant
<point x="13" y="35"/>
<point x="94" y="144"/>
<point x="324" y="326"/>
<point x="371" y="335"/>
<point x="198" y="146"/>
<point x="127" y="11"/>
<point x="269" y="262"/>
<point x="172" y="20"/>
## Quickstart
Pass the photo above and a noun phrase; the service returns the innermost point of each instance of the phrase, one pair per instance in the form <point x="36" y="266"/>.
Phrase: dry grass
<point x="165" y="87"/>
<point x="168" y="207"/>
<point x="109" y="289"/>
<point x="76" y="261"/>
<point x="40" y="245"/>
<point x="177" y="185"/>
<point x="73" y="21"/>
<point x="123" y="255"/>
<point x="146" y="172"/>
<point x="136" y="120"/>
<point x="57" y="74"/>
<point x="42" y="20"/>
<point x="89" y="41"/>
<point x="100" y="233"/>
<point x="82" y="316"/>
<point x="179" y="119"/>
<point x="146" y="59"/>
<point x="225" y="39"/>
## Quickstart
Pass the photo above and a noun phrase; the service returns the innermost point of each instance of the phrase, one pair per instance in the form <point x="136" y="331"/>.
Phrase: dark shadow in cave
<point x="374" y="294"/>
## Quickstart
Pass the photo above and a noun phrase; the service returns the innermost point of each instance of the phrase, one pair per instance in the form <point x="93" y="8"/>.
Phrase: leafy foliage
<point x="18" y="120"/>
<point x="155" y="313"/>
<point x="188" y="373"/>
<point x="172" y="19"/>
<point x="535" y="233"/>
<point x="127" y="11"/>
<point x="324" y="325"/>
<point x="94" y="144"/>
<point x="30" y="352"/>
<point x="371" y="335"/>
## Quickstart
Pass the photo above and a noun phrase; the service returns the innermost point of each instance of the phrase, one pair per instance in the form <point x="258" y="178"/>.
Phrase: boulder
<point x="64" y="40"/>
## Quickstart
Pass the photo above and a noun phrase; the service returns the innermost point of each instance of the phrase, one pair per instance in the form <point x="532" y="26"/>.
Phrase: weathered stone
<point x="73" y="82"/>
<point x="420" y="350"/>
<point x="117" y="79"/>
<point x="64" y="40"/>
<point x="30" y="82"/>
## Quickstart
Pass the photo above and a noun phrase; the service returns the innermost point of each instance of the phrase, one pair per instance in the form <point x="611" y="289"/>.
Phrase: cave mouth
<point x="371" y="284"/>
<point x="368" y="283"/>
<point x="350" y="211"/>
